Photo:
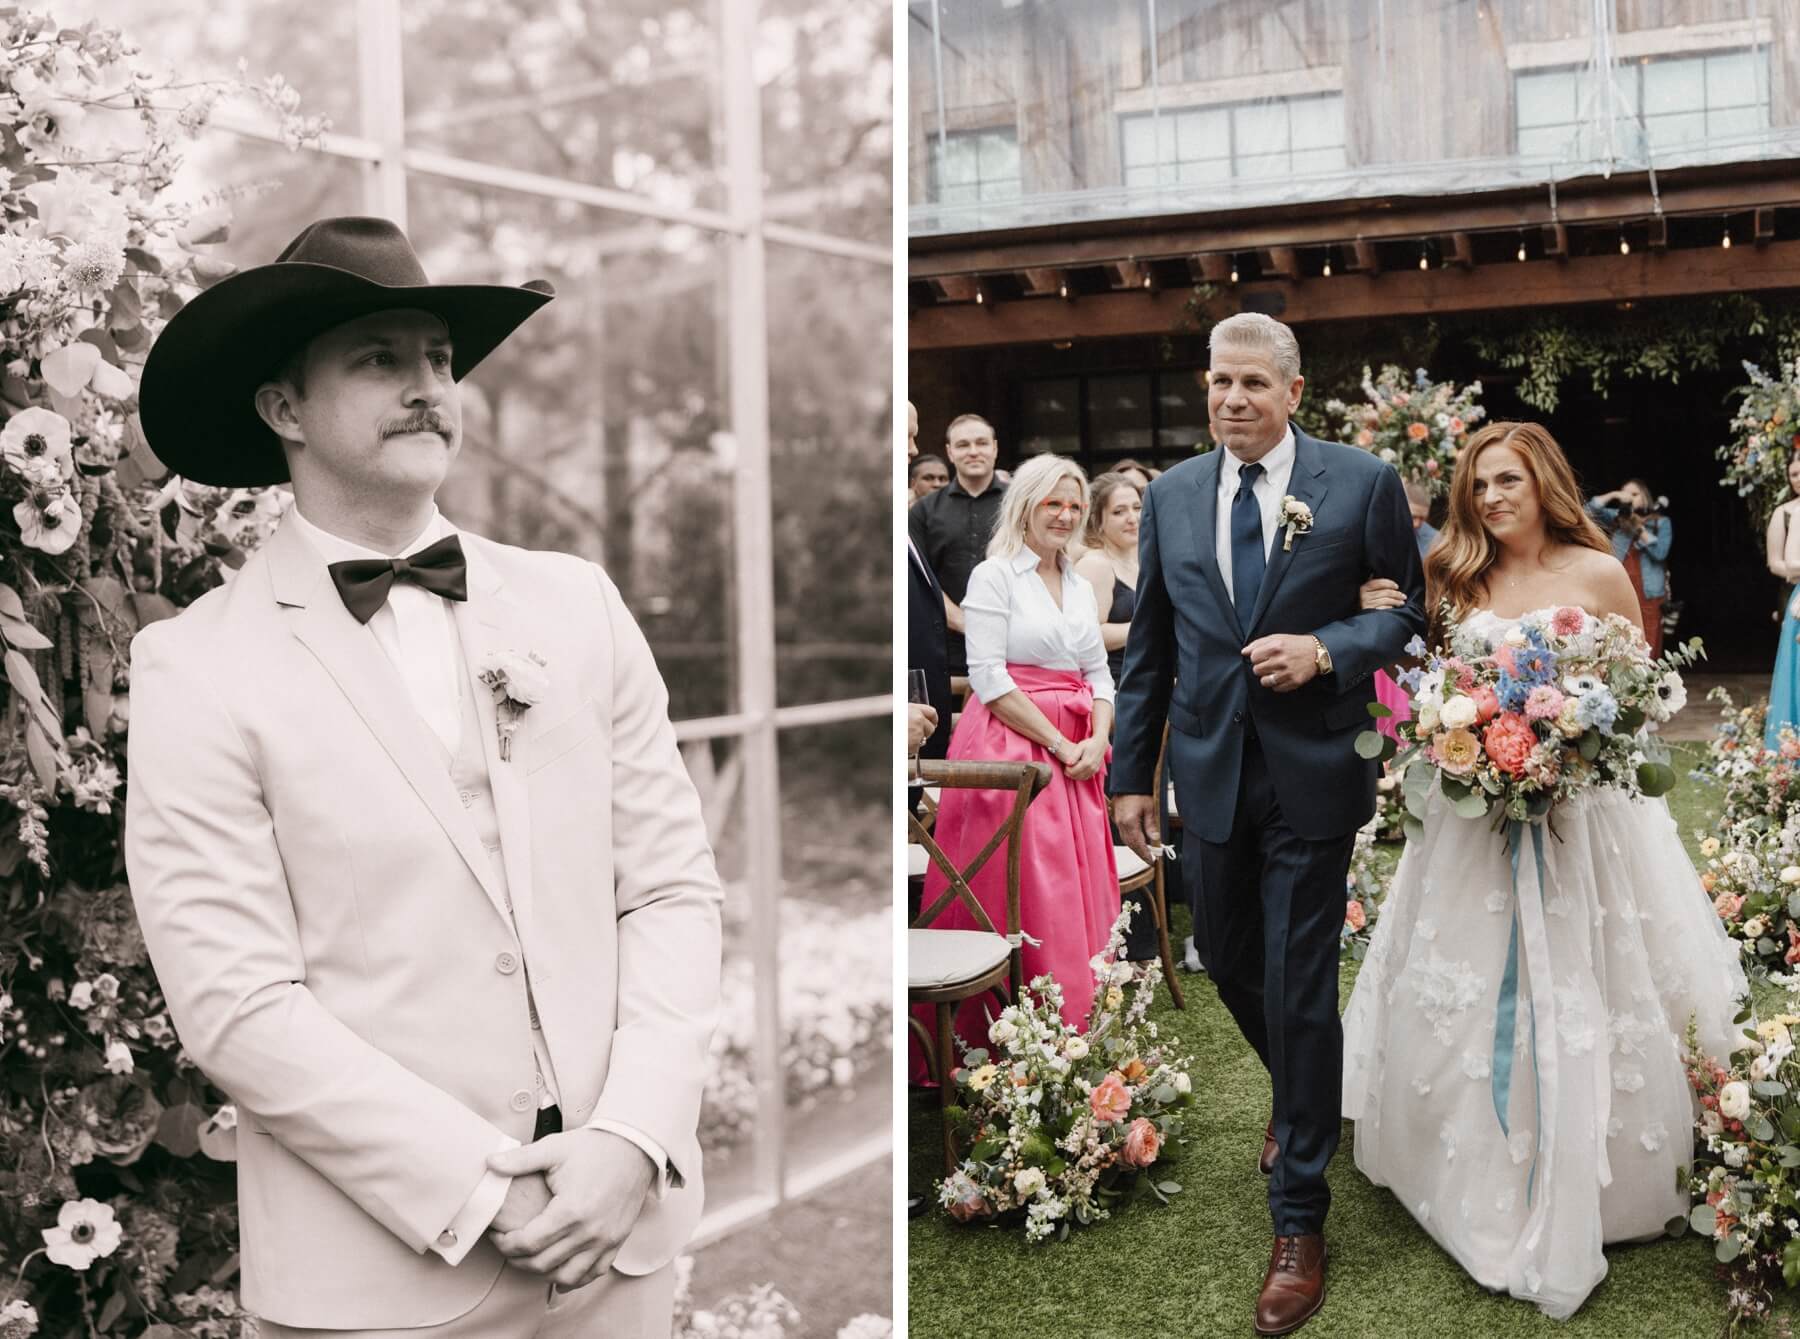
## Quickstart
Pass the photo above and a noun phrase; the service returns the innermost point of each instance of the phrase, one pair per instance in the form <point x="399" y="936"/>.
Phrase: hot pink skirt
<point x="1068" y="883"/>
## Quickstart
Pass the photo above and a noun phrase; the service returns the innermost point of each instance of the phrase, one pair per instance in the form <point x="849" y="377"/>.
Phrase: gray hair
<point x="1031" y="483"/>
<point x="1254" y="330"/>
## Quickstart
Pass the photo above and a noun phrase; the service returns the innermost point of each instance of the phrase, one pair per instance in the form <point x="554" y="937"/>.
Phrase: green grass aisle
<point x="1192" y="1267"/>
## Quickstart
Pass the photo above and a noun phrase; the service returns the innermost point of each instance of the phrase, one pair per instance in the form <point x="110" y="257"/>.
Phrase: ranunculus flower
<point x="1028" y="1181"/>
<point x="1143" y="1141"/>
<point x="1426" y="713"/>
<point x="1115" y="998"/>
<point x="1132" y="1070"/>
<point x="1354" y="916"/>
<point x="85" y="1231"/>
<point x="1754" y="927"/>
<point x="1076" y="1048"/>
<point x="1543" y="703"/>
<point x="1727" y="905"/>
<point x="1110" y="1100"/>
<point x="1734" y="1100"/>
<point x="1365" y="438"/>
<point x="1001" y="1031"/>
<point x="51" y="527"/>
<point x="1456" y="751"/>
<point x="1183" y="1084"/>
<point x="1791" y="874"/>
<point x="1509" y="742"/>
<point x="1458" y="713"/>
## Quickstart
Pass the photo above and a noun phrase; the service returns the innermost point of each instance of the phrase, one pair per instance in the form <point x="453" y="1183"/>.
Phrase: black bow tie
<point x="364" y="582"/>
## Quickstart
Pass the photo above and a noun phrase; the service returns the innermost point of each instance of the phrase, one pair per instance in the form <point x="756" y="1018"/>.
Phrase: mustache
<point x="423" y="420"/>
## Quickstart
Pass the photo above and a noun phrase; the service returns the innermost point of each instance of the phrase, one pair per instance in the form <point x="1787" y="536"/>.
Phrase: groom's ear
<point x="1293" y="395"/>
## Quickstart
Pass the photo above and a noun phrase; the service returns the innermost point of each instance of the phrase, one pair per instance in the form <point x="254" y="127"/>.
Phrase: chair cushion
<point x="917" y="862"/>
<point x="944" y="957"/>
<point x="1130" y="866"/>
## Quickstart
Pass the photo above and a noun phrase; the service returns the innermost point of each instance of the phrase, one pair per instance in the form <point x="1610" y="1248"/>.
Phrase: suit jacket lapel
<point x="490" y="621"/>
<point x="1307" y="484"/>
<point x="1206" y="534"/>
<point x="354" y="659"/>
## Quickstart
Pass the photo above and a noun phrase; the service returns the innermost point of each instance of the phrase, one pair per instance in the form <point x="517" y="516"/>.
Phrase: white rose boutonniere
<point x="1298" y="519"/>
<point x="519" y="682"/>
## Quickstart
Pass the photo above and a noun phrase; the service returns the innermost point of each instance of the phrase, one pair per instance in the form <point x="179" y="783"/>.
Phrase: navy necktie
<point x="364" y="582"/>
<point x="1247" y="559"/>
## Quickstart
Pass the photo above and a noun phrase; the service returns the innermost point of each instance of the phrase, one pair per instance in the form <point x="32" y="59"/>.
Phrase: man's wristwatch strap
<point x="1321" y="657"/>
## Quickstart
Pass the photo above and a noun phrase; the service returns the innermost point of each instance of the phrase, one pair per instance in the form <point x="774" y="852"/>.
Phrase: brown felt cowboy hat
<point x="197" y="395"/>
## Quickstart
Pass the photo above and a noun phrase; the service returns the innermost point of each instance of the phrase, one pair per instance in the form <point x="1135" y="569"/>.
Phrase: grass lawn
<point x="1193" y="1267"/>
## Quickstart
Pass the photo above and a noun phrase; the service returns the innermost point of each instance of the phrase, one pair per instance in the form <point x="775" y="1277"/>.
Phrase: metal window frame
<point x="388" y="163"/>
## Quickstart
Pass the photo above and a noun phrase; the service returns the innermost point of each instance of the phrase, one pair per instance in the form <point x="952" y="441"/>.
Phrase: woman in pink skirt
<point x="1040" y="691"/>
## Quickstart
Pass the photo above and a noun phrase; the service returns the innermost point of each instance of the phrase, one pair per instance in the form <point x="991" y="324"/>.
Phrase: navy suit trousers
<point x="1269" y="908"/>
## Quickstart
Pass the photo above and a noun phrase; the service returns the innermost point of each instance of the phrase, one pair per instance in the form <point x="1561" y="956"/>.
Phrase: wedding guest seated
<point x="1041" y="692"/>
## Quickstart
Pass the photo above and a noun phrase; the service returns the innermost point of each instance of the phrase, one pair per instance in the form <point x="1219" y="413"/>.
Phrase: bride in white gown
<point x="1618" y="948"/>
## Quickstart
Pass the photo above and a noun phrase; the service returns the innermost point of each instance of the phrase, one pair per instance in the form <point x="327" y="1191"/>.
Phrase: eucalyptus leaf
<point x="1471" y="806"/>
<point x="1702" y="1219"/>
<point x="1169" y="1187"/>
<point x="1757" y="1126"/>
<point x="1727" y="1250"/>
<point x="1589" y="747"/>
<point x="1370" y="744"/>
<point x="1768" y="1088"/>
<point x="1380" y="710"/>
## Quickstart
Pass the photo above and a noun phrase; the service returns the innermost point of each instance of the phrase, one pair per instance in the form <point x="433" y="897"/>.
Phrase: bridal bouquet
<point x="1559" y="705"/>
<point x="1414" y="423"/>
<point x="1746" y="1169"/>
<point x="1058" y="1121"/>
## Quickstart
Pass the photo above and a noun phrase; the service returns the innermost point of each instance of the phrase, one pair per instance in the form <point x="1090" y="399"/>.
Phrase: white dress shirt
<point x="417" y="633"/>
<point x="1010" y="617"/>
<point x="1278" y="469"/>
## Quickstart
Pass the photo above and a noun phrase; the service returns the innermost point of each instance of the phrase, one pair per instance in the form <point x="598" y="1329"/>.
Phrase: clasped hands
<point x="1082" y="759"/>
<point x="573" y="1200"/>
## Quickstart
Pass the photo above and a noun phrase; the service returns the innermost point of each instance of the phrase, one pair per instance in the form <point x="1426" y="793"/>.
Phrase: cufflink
<point x="447" y="1239"/>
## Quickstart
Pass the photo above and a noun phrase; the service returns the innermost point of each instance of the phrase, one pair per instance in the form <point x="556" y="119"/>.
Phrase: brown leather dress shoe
<point x="1271" y="1150"/>
<point x="1294" y="1287"/>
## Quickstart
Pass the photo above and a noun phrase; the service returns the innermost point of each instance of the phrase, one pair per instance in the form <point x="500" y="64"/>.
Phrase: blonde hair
<point x="1031" y="483"/>
<point x="1456" y="568"/>
<point x="1100" y="493"/>
<point x="1254" y="330"/>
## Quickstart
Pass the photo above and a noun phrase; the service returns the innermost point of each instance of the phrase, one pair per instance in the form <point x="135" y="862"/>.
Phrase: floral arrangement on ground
<point x="836" y="1012"/>
<point x="1414" y="423"/>
<point x="1765" y="432"/>
<point x="761" y="1313"/>
<point x="114" y="1222"/>
<point x="1061" y="1124"/>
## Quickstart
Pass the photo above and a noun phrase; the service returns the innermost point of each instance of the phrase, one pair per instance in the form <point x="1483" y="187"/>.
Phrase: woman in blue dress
<point x="1784" y="562"/>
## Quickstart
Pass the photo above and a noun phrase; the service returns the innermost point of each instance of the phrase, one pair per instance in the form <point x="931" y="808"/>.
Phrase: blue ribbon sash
<point x="1506" y="1010"/>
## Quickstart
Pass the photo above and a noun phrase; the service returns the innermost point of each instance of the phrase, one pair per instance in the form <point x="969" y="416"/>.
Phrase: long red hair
<point x="1456" y="568"/>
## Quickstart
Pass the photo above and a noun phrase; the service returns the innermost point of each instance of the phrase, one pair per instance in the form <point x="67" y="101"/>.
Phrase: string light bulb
<point x="1146" y="278"/>
<point x="1424" y="259"/>
<point x="980" y="297"/>
<point x="1234" y="272"/>
<point x="1725" y="241"/>
<point x="1327" y="271"/>
<point x="1624" y="245"/>
<point x="1062" y="291"/>
<point x="1521" y="246"/>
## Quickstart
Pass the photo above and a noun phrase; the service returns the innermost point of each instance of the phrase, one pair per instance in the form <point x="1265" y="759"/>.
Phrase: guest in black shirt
<point x="951" y="528"/>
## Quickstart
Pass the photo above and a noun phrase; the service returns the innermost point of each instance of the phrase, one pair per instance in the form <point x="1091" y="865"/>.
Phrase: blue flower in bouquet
<point x="1598" y="710"/>
<point x="1416" y="647"/>
<point x="1410" y="679"/>
<point x="1512" y="690"/>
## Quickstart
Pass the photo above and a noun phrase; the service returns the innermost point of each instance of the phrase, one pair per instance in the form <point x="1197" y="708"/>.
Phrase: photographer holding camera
<point x="1641" y="534"/>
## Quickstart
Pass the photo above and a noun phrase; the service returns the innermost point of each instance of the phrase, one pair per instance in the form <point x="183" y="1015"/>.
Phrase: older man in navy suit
<point x="1250" y="642"/>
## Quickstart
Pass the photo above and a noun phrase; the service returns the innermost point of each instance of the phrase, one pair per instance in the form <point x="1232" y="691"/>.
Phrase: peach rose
<point x="1110" y="1100"/>
<point x="1509" y="742"/>
<point x="1142" y="1143"/>
<point x="1133" y="1070"/>
<point x="1727" y="905"/>
<point x="1417" y="431"/>
<point x="1354" y="916"/>
<point x="1365" y="438"/>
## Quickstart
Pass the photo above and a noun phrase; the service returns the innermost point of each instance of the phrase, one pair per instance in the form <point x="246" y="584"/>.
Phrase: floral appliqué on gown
<point x="1617" y="949"/>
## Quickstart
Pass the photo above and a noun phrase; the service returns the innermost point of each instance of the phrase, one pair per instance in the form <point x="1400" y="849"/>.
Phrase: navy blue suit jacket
<point x="1183" y="660"/>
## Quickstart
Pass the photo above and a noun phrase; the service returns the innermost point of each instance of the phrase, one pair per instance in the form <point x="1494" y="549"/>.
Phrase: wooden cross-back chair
<point x="946" y="967"/>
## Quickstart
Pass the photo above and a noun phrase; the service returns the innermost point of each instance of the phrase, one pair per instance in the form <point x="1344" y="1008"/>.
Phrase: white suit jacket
<point x="335" y="949"/>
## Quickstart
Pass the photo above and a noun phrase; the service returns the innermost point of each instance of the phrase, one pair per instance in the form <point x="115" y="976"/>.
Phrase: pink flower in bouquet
<point x="1365" y="438"/>
<point x="1509" y="742"/>
<point x="1354" y="916"/>
<point x="1727" y="905"/>
<point x="1793" y="953"/>
<point x="1142" y="1143"/>
<point x="1487" y="703"/>
<point x="1110" y="1100"/>
<point x="965" y="1199"/>
<point x="1790" y="748"/>
<point x="1567" y="621"/>
<point x="1543" y="704"/>
<point x="1456" y="426"/>
<point x="1431" y="465"/>
<point x="1456" y="751"/>
<point x="1503" y="657"/>
<point x="1457" y="670"/>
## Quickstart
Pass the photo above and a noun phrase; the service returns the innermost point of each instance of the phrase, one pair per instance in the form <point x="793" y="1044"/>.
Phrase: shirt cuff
<point x="667" y="1178"/>
<point x="457" y="1240"/>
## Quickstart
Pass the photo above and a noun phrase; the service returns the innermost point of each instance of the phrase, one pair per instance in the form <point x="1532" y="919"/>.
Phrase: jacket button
<point x="506" y="964"/>
<point x="1237" y="718"/>
<point x="523" y="1100"/>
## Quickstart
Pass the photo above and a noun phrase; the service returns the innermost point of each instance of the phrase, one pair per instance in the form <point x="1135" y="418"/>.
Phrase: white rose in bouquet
<point x="1002" y="1031"/>
<point x="1028" y="1182"/>
<point x="1711" y="1123"/>
<point x="1458" y="713"/>
<point x="1428" y="717"/>
<point x="1754" y="927"/>
<point x="1734" y="1100"/>
<point x="1791" y="874"/>
<point x="1076" y="1048"/>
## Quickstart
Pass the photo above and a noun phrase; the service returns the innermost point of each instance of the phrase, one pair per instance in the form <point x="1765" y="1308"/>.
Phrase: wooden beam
<point x="1586" y="279"/>
<point x="1459" y="253"/>
<point x="1125" y="274"/>
<point x="1765" y="226"/>
<point x="1556" y="241"/>
<point x="1658" y="228"/>
<point x="1683" y="191"/>
<point x="1047" y="280"/>
<point x="1366" y="260"/>
<point x="1281" y="262"/>
<point x="954" y="287"/>
<point x="1215" y="267"/>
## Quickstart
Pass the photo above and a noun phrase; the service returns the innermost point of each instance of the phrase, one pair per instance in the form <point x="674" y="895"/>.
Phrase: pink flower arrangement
<point x="1487" y="703"/>
<point x="1111" y="1099"/>
<point x="1543" y="704"/>
<point x="1142" y="1143"/>
<point x="1567" y="621"/>
<point x="1354" y="916"/>
<point x="1509" y="742"/>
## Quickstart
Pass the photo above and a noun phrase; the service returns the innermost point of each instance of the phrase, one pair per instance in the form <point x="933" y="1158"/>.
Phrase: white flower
<point x="521" y="677"/>
<point x="1710" y="846"/>
<point x="85" y="1231"/>
<point x="1458" y="713"/>
<point x="1428" y="717"/>
<point x="92" y="268"/>
<point x="52" y="526"/>
<point x="1076" y="1048"/>
<point x="1754" y="928"/>
<point x="34" y="436"/>
<point x="18" y="1319"/>
<point x="1183" y="1084"/>
<point x="1791" y="874"/>
<point x="1759" y="1070"/>
<point x="867" y="1327"/>
<point x="1653" y="1136"/>
<point x="1711" y="1123"/>
<point x="1028" y="1182"/>
<point x="1735" y="1155"/>
<point x="81" y="995"/>
<point x="1734" y="1100"/>
<point x="106" y="986"/>
<point x="118" y="1058"/>
<point x="1002" y="1031"/>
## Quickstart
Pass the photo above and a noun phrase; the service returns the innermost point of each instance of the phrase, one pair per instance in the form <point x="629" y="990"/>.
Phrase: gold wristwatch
<point x="1321" y="657"/>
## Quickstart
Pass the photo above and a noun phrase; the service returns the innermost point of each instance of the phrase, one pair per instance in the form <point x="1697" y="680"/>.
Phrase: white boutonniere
<point x="519" y="682"/>
<point x="1297" y="517"/>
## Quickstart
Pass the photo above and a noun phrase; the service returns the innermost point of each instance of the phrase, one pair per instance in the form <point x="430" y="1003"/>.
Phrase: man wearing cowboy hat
<point x="425" y="883"/>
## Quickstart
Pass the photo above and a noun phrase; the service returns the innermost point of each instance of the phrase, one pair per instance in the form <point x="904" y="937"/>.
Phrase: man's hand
<point x="525" y="1200"/>
<point x="1085" y="759"/>
<point x="597" y="1183"/>
<point x="1283" y="661"/>
<point x="921" y="720"/>
<point x="1135" y="816"/>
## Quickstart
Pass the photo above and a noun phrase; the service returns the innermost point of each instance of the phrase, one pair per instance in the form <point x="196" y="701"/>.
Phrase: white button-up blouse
<point x="1010" y="618"/>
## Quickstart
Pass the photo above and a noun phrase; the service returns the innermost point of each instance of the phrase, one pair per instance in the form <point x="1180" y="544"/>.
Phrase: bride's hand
<point x="1380" y="593"/>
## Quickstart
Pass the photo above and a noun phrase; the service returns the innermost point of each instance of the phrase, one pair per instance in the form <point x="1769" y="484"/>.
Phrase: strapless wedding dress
<point x="1618" y="948"/>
